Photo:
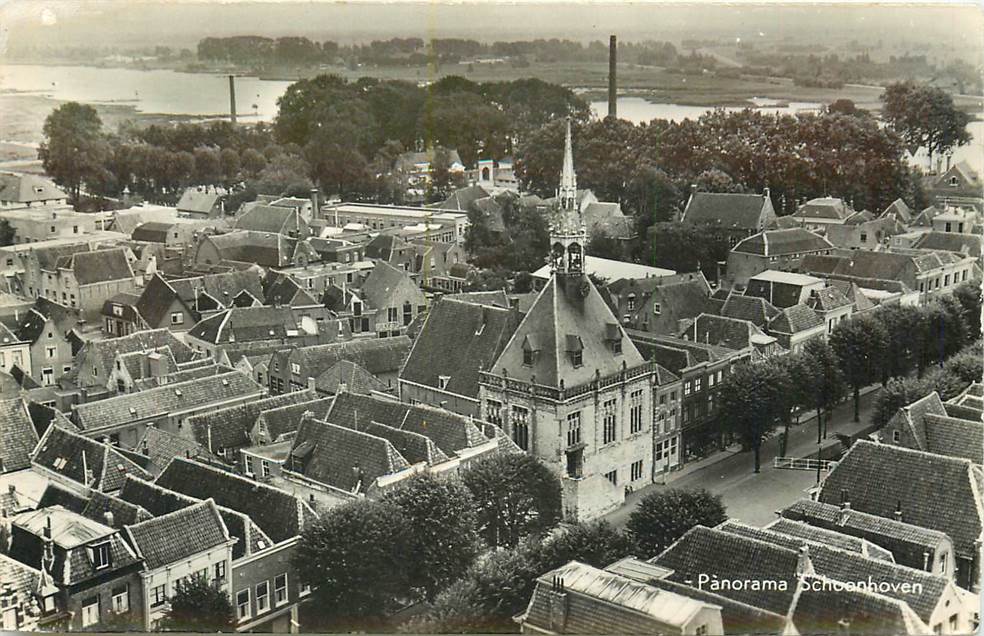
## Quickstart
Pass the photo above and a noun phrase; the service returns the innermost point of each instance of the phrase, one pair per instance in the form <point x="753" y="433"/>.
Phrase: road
<point x="754" y="498"/>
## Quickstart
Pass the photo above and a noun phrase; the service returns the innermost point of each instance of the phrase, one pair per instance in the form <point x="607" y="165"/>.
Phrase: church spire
<point x="567" y="235"/>
<point x="568" y="180"/>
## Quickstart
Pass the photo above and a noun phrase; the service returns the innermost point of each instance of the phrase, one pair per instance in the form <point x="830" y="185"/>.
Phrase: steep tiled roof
<point x="736" y="618"/>
<point x="824" y="208"/>
<point x="908" y="543"/>
<point x="198" y="200"/>
<point x="284" y="290"/>
<point x="184" y="375"/>
<point x="824" y="610"/>
<point x="381" y="283"/>
<point x="98" y="266"/>
<point x="263" y="248"/>
<point x="279" y="514"/>
<point x="229" y="427"/>
<point x="899" y="210"/>
<point x="741" y="211"/>
<point x="833" y="539"/>
<point x="345" y="458"/>
<point x="795" y="319"/>
<point x="165" y="399"/>
<point x="711" y="552"/>
<point x="375" y="355"/>
<point x="413" y="447"/>
<point x="17" y="435"/>
<point x="249" y="324"/>
<point x="70" y="454"/>
<point x="568" y="307"/>
<point x="783" y="243"/>
<point x="458" y="340"/>
<point x="925" y="590"/>
<point x="497" y="298"/>
<point x="177" y="536"/>
<point x="937" y="492"/>
<point x="827" y="299"/>
<point x="853" y="293"/>
<point x="450" y="431"/>
<point x="101" y="505"/>
<point x="954" y="437"/>
<point x="161" y="447"/>
<point x="349" y="375"/>
<point x="756" y="310"/>
<point x="950" y="242"/>
<point x="273" y="423"/>
<point x="161" y="501"/>
<point x="152" y="232"/>
<point x="725" y="332"/>
<point x="32" y="325"/>
<point x="269" y="218"/>
<point x="101" y="353"/>
<point x="28" y="188"/>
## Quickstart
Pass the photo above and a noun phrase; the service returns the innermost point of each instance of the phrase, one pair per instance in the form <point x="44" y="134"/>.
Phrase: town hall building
<point x="570" y="387"/>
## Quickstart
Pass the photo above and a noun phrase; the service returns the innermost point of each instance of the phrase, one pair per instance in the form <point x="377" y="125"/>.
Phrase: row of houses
<point x="889" y="542"/>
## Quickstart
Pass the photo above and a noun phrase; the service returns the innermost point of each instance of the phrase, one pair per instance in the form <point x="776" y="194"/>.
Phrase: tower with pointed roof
<point x="569" y="386"/>
<point x="568" y="235"/>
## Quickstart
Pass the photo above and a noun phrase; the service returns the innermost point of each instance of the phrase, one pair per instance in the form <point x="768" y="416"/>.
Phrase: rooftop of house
<point x="113" y="511"/>
<point x="732" y="210"/>
<point x="279" y="514"/>
<point x="18" y="436"/>
<point x="102" y="353"/>
<point x="270" y="218"/>
<point x="199" y="199"/>
<point x="350" y="376"/>
<point x="452" y="433"/>
<point x="756" y="310"/>
<point x="152" y="232"/>
<point x="458" y="339"/>
<point x="830" y="208"/>
<point x="376" y="355"/>
<point x="31" y="326"/>
<point x="28" y="188"/>
<point x="788" y="242"/>
<point x="796" y="319"/>
<point x="789" y="278"/>
<point x="161" y="501"/>
<point x="178" y="536"/>
<point x="68" y="529"/>
<point x="950" y="242"/>
<point x="229" y="427"/>
<point x="727" y="332"/>
<point x="933" y="491"/>
<point x="161" y="447"/>
<point x="163" y="400"/>
<point x="841" y="541"/>
<point x="98" y="266"/>
<point x="258" y="323"/>
<point x="607" y="600"/>
<point x="84" y="460"/>
<point x="281" y="422"/>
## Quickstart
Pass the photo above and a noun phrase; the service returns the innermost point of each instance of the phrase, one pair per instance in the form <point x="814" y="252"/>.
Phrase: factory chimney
<point x="232" y="98"/>
<point x="612" y="84"/>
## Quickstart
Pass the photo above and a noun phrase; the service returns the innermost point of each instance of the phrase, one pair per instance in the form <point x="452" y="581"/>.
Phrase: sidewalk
<point x="749" y="496"/>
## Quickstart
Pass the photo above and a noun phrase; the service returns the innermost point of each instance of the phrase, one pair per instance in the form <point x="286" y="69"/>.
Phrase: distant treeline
<point x="252" y="49"/>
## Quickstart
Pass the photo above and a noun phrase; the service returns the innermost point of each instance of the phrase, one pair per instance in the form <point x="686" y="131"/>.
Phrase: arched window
<point x="485" y="174"/>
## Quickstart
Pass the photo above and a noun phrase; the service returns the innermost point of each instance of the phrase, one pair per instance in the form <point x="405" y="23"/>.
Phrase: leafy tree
<point x="604" y="246"/>
<point x="946" y="331"/>
<point x="440" y="522"/>
<point x="714" y="180"/>
<point x="969" y="296"/>
<point x="925" y="116"/>
<point x="860" y="346"/>
<point x="253" y="162"/>
<point x="354" y="557"/>
<point x="230" y="164"/>
<point x="199" y="606"/>
<point x="442" y="180"/>
<point x="965" y="367"/>
<point x="820" y="378"/>
<point x="904" y="326"/>
<point x="283" y="172"/>
<point x="750" y="404"/>
<point x="596" y="543"/>
<point x="664" y="516"/>
<point x="847" y="107"/>
<point x="74" y="149"/>
<point x="686" y="248"/>
<point x="208" y="166"/>
<point x="523" y="283"/>
<point x="516" y="496"/>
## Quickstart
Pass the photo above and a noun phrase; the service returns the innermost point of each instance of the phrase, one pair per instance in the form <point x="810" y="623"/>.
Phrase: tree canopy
<point x="925" y="116"/>
<point x="199" y="606"/>
<point x="664" y="516"/>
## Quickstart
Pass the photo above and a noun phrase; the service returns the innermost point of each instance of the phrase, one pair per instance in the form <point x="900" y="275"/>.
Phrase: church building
<point x="570" y="387"/>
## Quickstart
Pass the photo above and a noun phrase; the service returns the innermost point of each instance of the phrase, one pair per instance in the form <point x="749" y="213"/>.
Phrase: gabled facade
<point x="569" y="361"/>
<point x="49" y="328"/>
<point x="396" y="298"/>
<point x="740" y="215"/>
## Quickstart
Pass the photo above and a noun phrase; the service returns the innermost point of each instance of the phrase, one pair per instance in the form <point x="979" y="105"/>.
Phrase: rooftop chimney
<point x="108" y="515"/>
<point x="898" y="511"/>
<point x="612" y="82"/>
<point x="232" y="98"/>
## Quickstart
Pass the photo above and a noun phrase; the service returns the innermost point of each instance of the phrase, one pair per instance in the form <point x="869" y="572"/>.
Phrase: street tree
<point x="821" y="379"/>
<point x="899" y="392"/>
<point x="198" y="606"/>
<point x="440" y="523"/>
<point x="664" y="516"/>
<point x="596" y="543"/>
<point x="749" y="403"/>
<point x="515" y="495"/>
<point x="354" y="558"/>
<point x="925" y="116"/>
<point x="74" y="150"/>
<point x="860" y="346"/>
<point x="968" y="294"/>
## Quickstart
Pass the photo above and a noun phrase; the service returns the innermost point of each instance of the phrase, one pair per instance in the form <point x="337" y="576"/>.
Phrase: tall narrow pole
<point x="232" y="98"/>
<point x="612" y="82"/>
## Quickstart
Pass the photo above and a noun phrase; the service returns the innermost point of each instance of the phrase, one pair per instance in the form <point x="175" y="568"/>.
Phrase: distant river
<point x="172" y="92"/>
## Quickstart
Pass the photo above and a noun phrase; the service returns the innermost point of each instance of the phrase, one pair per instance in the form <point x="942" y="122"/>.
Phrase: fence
<point x="803" y="463"/>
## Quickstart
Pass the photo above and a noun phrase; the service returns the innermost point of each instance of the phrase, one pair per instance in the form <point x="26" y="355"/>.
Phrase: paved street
<point x="755" y="498"/>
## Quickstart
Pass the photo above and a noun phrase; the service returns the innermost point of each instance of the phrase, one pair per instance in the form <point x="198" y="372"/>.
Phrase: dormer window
<point x="656" y="309"/>
<point x="442" y="381"/>
<point x="530" y="350"/>
<point x="100" y="556"/>
<point x="613" y="336"/>
<point x="953" y="182"/>
<point x="631" y="302"/>
<point x="575" y="350"/>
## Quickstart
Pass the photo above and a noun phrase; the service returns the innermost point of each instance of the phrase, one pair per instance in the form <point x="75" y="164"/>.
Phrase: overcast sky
<point x="182" y="23"/>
